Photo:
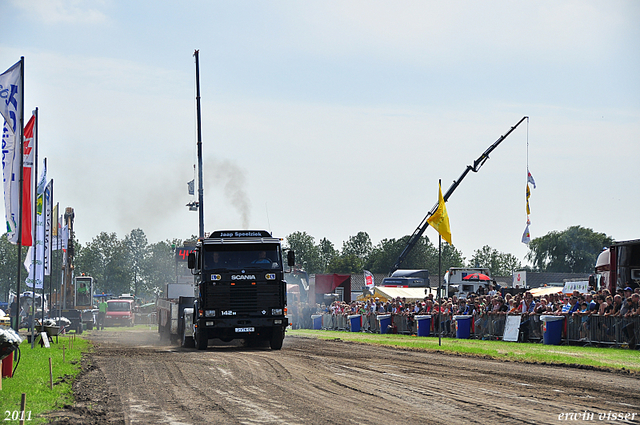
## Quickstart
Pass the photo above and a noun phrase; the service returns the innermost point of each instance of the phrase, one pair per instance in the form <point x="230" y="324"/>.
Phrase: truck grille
<point x="243" y="298"/>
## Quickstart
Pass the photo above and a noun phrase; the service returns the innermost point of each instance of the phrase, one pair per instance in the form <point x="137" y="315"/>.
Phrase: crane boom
<point x="477" y="164"/>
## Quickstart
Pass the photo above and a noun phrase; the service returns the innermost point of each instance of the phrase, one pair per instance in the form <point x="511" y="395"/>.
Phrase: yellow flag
<point x="440" y="219"/>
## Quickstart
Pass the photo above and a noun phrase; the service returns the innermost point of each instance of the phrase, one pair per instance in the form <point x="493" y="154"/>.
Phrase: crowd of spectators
<point x="492" y="303"/>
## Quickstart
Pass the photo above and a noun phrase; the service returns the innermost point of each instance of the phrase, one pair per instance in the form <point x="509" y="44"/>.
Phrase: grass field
<point x="605" y="358"/>
<point x="32" y="378"/>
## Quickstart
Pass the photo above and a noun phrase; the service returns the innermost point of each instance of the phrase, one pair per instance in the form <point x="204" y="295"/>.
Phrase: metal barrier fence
<point x="586" y="330"/>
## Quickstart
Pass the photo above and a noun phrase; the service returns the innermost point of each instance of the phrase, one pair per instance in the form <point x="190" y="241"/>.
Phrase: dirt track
<point x="132" y="378"/>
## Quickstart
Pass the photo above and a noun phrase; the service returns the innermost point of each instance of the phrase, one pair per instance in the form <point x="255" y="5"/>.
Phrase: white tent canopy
<point x="411" y="294"/>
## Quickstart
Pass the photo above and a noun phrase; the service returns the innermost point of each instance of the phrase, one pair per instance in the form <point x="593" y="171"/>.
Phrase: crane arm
<point x="477" y="164"/>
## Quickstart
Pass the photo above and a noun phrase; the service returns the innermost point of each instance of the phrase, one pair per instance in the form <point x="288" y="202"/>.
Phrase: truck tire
<point x="201" y="339"/>
<point x="188" y="341"/>
<point x="276" y="339"/>
<point x="79" y="328"/>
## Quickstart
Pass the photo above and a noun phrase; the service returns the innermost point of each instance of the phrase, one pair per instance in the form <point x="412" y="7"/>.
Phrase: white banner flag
<point x="47" y="228"/>
<point x="11" y="111"/>
<point x="10" y="181"/>
<point x="368" y="279"/>
<point x="37" y="275"/>
<point x="11" y="103"/>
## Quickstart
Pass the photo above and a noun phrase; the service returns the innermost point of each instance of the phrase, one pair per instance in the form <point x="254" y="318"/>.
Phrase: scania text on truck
<point x="240" y="288"/>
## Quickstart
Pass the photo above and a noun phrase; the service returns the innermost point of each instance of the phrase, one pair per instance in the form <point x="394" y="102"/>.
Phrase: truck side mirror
<point x="291" y="258"/>
<point x="191" y="260"/>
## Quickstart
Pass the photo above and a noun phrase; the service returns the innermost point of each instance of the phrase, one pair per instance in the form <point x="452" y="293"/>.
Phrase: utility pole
<point x="199" y="118"/>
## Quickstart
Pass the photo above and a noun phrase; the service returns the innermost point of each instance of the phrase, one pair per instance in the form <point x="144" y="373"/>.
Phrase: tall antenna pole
<point x="200" y="188"/>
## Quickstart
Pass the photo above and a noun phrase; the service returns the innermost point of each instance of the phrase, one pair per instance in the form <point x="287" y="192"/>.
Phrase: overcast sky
<point x="335" y="117"/>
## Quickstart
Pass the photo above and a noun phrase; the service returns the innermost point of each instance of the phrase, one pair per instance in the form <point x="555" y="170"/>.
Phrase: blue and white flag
<point x="11" y="111"/>
<point x="530" y="179"/>
<point x="11" y="97"/>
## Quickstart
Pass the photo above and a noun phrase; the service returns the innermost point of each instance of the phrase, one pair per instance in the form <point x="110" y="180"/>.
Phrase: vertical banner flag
<point x="526" y="236"/>
<point x="48" y="228"/>
<point x="530" y="179"/>
<point x="27" y="185"/>
<point x="440" y="219"/>
<point x="36" y="274"/>
<point x="11" y="111"/>
<point x="10" y="86"/>
<point x="368" y="279"/>
<point x="191" y="188"/>
<point x="10" y="182"/>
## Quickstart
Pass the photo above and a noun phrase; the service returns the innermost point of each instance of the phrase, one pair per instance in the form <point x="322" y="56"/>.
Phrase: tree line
<point x="133" y="265"/>
<point x="573" y="250"/>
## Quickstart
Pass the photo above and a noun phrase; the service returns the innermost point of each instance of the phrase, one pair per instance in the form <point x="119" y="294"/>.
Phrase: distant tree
<point x="384" y="255"/>
<point x="345" y="264"/>
<point x="307" y="253"/>
<point x="160" y="266"/>
<point x="9" y="267"/>
<point x="499" y="263"/>
<point x="451" y="257"/>
<point x="359" y="245"/>
<point x="137" y="246"/>
<point x="105" y="258"/>
<point x="327" y="253"/>
<point x="573" y="250"/>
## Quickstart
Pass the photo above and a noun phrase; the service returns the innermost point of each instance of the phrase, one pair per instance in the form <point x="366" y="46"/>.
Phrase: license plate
<point x="245" y="329"/>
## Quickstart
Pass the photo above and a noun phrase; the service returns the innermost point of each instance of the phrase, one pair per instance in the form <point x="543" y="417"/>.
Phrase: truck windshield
<point x="252" y="256"/>
<point x="118" y="306"/>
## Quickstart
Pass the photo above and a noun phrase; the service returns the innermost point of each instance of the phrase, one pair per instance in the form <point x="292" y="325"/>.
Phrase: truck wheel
<point x="79" y="328"/>
<point x="188" y="341"/>
<point x="201" y="339"/>
<point x="276" y="339"/>
<point x="90" y="326"/>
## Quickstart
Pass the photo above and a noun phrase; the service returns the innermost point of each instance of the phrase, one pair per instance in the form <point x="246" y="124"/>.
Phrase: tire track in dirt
<point x="331" y="382"/>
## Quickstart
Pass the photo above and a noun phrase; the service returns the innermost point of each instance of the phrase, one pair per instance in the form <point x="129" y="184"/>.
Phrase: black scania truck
<point x="241" y="290"/>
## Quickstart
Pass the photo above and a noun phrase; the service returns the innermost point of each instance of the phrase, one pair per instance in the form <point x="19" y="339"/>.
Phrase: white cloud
<point x="85" y="12"/>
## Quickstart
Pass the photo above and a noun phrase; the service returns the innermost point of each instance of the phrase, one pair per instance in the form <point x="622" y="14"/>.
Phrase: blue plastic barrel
<point x="354" y="320"/>
<point x="463" y="326"/>
<point x="385" y="321"/>
<point x="423" y="323"/>
<point x="552" y="329"/>
<point x="317" y="321"/>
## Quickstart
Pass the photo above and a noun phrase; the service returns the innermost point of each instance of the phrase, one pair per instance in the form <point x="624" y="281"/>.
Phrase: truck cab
<point x="120" y="312"/>
<point x="240" y="288"/>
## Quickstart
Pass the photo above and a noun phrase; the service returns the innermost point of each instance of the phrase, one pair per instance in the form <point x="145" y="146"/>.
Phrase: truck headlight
<point x="277" y="322"/>
<point x="270" y="276"/>
<point x="215" y="277"/>
<point x="276" y="312"/>
<point x="210" y="313"/>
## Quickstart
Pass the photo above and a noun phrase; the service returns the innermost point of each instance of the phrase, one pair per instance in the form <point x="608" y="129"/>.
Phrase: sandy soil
<point x="134" y="378"/>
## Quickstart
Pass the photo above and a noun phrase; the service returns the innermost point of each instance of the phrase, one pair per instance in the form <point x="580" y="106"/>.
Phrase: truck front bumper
<point x="237" y="327"/>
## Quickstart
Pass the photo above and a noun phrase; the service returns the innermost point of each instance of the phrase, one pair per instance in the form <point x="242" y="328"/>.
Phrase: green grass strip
<point x="602" y="358"/>
<point x="32" y="378"/>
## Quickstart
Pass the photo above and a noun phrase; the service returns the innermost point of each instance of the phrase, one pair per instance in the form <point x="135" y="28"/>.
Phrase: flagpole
<point x="50" y="252"/>
<point x="20" y="143"/>
<point x="440" y="281"/>
<point x="440" y="289"/>
<point x="34" y="225"/>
